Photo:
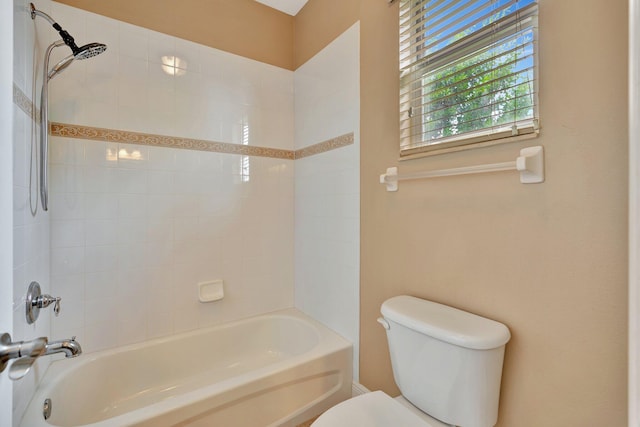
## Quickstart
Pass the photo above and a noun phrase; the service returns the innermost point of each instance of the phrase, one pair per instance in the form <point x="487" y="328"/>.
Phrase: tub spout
<point x="70" y="348"/>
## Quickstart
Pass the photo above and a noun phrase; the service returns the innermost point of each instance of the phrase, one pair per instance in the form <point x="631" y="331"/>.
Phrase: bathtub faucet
<point x="25" y="353"/>
<point x="22" y="349"/>
<point x="70" y="348"/>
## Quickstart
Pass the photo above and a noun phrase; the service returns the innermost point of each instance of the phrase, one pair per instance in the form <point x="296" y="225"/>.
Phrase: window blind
<point x="467" y="71"/>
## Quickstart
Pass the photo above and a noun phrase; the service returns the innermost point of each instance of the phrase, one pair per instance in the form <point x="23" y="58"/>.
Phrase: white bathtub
<point x="279" y="369"/>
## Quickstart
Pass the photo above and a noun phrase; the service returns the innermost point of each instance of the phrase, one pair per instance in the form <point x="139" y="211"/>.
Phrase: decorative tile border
<point x="24" y="103"/>
<point x="126" y="137"/>
<point x="328" y="145"/>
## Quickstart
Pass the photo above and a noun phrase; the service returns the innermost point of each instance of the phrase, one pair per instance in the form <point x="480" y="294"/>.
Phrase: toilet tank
<point x="447" y="362"/>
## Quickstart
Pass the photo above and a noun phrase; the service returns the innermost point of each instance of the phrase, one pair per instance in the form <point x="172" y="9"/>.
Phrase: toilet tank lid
<point x="446" y="323"/>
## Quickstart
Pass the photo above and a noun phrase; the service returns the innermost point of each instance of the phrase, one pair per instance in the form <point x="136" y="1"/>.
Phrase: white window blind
<point x="467" y="72"/>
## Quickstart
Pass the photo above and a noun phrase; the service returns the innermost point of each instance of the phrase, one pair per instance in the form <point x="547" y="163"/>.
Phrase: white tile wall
<point x="132" y="238"/>
<point x="30" y="233"/>
<point x="327" y="188"/>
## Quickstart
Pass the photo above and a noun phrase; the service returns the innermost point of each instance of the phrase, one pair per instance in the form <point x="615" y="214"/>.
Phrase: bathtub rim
<point x="329" y="342"/>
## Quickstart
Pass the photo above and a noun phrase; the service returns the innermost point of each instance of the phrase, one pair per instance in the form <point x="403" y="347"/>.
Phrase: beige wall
<point x="243" y="27"/>
<point x="548" y="260"/>
<point x="320" y="22"/>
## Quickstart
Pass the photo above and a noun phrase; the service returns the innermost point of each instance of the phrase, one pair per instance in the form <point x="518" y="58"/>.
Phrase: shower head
<point x="84" y="52"/>
<point x="89" y="50"/>
<point x="60" y="66"/>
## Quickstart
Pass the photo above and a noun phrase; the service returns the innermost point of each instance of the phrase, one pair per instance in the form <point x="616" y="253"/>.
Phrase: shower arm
<point x="66" y="37"/>
<point x="44" y="122"/>
<point x="35" y="12"/>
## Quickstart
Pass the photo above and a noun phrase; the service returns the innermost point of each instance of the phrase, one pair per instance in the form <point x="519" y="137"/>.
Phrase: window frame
<point x="487" y="136"/>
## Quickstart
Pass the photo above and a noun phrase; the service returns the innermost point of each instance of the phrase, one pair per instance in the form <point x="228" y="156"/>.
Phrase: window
<point x="467" y="72"/>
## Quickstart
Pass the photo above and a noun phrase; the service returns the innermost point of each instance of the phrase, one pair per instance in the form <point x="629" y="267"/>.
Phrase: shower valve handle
<point x="36" y="300"/>
<point x="43" y="301"/>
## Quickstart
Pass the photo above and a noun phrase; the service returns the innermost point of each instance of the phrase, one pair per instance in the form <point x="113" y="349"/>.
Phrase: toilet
<point x="446" y="362"/>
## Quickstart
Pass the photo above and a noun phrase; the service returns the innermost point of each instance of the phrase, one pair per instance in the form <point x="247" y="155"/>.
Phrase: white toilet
<point x="446" y="362"/>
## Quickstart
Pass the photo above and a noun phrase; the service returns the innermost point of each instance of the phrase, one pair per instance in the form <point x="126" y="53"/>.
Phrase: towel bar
<point x="530" y="164"/>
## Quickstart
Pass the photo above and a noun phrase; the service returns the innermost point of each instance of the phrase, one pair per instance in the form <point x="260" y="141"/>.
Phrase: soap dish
<point x="210" y="291"/>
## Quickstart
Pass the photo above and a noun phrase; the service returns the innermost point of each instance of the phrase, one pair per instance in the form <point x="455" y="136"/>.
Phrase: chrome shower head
<point x="89" y="50"/>
<point x="84" y="52"/>
<point x="59" y="67"/>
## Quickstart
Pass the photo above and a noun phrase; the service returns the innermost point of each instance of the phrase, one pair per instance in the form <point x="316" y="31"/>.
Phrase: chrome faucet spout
<point x="25" y="353"/>
<point x="70" y="347"/>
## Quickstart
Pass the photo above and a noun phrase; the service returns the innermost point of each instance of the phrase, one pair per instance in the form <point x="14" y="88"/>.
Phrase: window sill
<point x="428" y="152"/>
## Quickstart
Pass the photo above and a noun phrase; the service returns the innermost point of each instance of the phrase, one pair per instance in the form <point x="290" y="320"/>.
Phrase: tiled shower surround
<point x="327" y="195"/>
<point x="135" y="227"/>
<point x="167" y="172"/>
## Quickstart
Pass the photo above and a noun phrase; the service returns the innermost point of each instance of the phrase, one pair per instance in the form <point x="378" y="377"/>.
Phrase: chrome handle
<point x="44" y="141"/>
<point x="43" y="301"/>
<point x="44" y="127"/>
<point x="44" y="124"/>
<point x="15" y="350"/>
<point x="35" y="301"/>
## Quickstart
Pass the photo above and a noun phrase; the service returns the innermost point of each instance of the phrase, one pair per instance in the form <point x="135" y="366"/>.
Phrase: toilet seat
<point x="375" y="409"/>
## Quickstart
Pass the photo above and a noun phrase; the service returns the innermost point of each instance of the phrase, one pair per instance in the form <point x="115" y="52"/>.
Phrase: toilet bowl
<point x="376" y="409"/>
<point x="446" y="362"/>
